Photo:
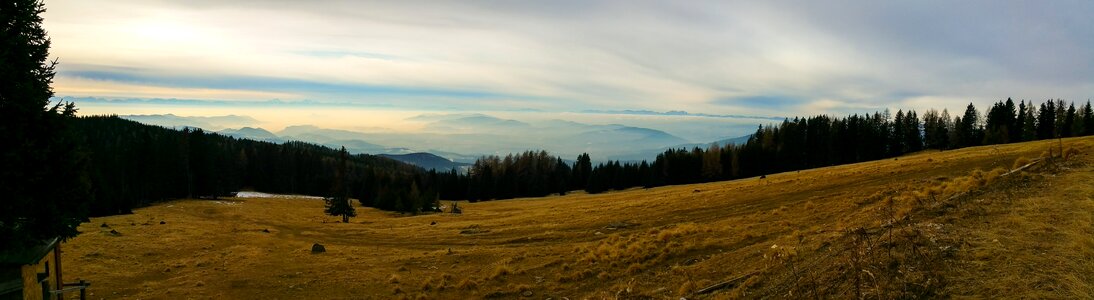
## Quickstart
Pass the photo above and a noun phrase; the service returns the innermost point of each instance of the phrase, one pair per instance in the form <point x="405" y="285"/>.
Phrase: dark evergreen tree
<point x="43" y="177"/>
<point x="583" y="168"/>
<point x="1069" y="122"/>
<point x="935" y="133"/>
<point x="896" y="135"/>
<point x="1014" y="130"/>
<point x="1020" y="123"/>
<point x="1088" y="119"/>
<point x="967" y="129"/>
<point x="338" y="203"/>
<point x="1046" y="121"/>
<point x="1000" y="121"/>
<point x="1061" y="118"/>
<point x="1029" y="123"/>
<point x="913" y="140"/>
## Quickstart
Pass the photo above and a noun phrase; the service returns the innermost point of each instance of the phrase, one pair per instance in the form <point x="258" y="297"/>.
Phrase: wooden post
<point x="57" y="267"/>
<point x="83" y="291"/>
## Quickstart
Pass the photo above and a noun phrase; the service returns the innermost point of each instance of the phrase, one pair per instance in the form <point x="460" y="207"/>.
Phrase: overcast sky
<point x="770" y="58"/>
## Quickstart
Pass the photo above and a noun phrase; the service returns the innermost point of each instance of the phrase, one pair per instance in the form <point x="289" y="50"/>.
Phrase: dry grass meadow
<point x="952" y="223"/>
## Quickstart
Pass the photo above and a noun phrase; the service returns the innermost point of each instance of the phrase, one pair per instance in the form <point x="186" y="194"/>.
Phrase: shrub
<point x="1021" y="161"/>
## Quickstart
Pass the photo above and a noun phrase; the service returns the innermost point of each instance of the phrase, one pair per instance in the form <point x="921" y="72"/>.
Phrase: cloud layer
<point x="718" y="57"/>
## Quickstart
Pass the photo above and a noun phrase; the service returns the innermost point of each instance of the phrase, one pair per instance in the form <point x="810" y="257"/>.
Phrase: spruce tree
<point x="1046" y="121"/>
<point x="583" y="168"/>
<point x="43" y="176"/>
<point x="1029" y="123"/>
<point x="1069" y="122"/>
<point x="1019" y="123"/>
<point x="338" y="203"/>
<point x="1088" y="119"/>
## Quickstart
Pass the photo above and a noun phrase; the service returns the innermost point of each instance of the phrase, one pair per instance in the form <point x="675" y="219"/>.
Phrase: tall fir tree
<point x="43" y="180"/>
<point x="1020" y="123"/>
<point x="1088" y="119"/>
<point x="968" y="130"/>
<point x="1029" y="123"/>
<point x="1046" y="121"/>
<point x="1069" y="122"/>
<point x="583" y="168"/>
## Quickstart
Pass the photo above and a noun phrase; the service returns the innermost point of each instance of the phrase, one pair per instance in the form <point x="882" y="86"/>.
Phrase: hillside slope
<point x="427" y="161"/>
<point x="922" y="225"/>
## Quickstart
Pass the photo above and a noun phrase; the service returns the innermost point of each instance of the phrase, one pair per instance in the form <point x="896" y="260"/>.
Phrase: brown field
<point x="922" y="225"/>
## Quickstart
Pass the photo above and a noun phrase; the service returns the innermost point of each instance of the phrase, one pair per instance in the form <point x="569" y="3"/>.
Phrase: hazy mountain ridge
<point x="646" y="153"/>
<point x="461" y="137"/>
<point x="206" y="123"/>
<point x="429" y="161"/>
<point x="250" y="133"/>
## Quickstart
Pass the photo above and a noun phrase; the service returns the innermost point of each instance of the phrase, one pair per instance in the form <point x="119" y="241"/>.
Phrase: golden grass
<point x="660" y="242"/>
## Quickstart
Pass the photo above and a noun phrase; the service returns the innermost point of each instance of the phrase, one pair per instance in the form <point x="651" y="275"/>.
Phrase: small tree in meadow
<point x="338" y="203"/>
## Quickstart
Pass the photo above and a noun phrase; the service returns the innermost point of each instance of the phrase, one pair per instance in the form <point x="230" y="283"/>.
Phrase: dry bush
<point x="1070" y="152"/>
<point x="1021" y="161"/>
<point x="575" y="276"/>
<point x="686" y="288"/>
<point x="520" y="288"/>
<point x="428" y="284"/>
<point x="467" y="284"/>
<point x="500" y="270"/>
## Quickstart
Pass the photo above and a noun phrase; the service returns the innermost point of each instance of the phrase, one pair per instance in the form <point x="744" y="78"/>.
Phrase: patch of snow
<point x="267" y="195"/>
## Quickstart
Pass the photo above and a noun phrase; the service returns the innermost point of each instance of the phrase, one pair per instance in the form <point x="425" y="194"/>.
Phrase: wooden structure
<point x="35" y="273"/>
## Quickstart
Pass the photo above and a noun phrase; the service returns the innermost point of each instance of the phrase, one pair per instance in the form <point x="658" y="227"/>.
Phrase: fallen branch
<point x="724" y="284"/>
<point x="1021" y="168"/>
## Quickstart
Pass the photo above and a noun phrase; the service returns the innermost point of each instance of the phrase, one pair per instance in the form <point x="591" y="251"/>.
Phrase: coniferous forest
<point x="131" y="164"/>
<point x="795" y="144"/>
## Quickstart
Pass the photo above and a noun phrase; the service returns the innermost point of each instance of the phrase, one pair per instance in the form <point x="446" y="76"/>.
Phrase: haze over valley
<point x="464" y="137"/>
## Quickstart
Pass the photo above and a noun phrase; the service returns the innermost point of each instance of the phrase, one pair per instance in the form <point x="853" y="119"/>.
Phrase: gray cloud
<point x="717" y="57"/>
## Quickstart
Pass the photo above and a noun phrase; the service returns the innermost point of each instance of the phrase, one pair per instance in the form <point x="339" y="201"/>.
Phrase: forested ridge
<point x="133" y="164"/>
<point x="794" y="144"/>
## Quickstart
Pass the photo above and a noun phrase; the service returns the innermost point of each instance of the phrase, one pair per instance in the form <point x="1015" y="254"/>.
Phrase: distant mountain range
<point x="449" y="141"/>
<point x="257" y="134"/>
<point x="207" y="123"/>
<point x="648" y="153"/>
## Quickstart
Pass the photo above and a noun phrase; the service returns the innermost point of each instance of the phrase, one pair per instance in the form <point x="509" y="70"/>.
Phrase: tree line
<point x="131" y="165"/>
<point x="793" y="144"/>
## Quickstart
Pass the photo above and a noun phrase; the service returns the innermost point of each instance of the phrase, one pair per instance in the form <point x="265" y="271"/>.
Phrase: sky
<point x="753" y="58"/>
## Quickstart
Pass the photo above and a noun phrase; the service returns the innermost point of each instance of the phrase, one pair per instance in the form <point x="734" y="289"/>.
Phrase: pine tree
<point x="1029" y="123"/>
<point x="1019" y="123"/>
<point x="712" y="163"/>
<point x="338" y="203"/>
<point x="1010" y="118"/>
<point x="43" y="177"/>
<point x="913" y="141"/>
<point x="896" y="134"/>
<point x="1088" y="119"/>
<point x="1046" y="121"/>
<point x="1069" y="122"/>
<point x="968" y="130"/>
<point x="583" y="168"/>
